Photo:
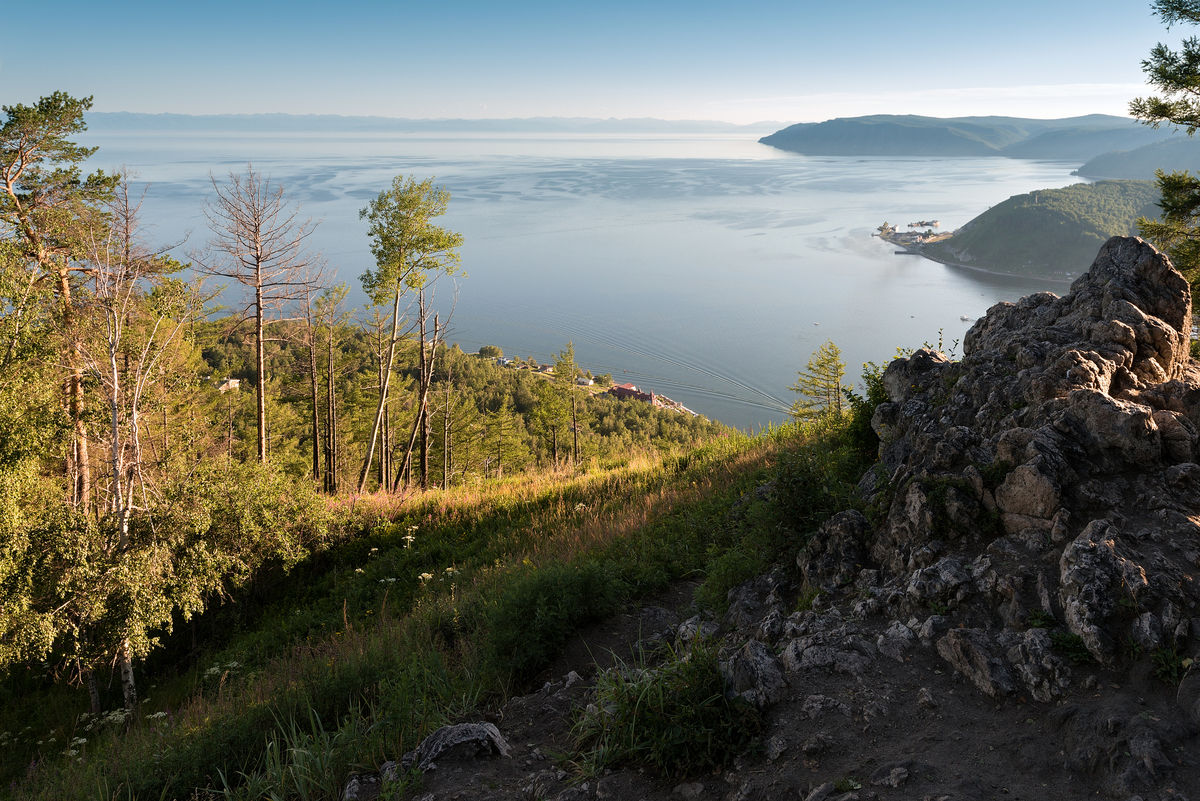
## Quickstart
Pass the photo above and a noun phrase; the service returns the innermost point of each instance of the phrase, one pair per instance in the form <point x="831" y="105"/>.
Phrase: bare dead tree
<point x="259" y="241"/>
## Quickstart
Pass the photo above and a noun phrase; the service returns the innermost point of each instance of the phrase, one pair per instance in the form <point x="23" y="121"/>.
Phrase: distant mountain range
<point x="1070" y="139"/>
<point x="123" y="121"/>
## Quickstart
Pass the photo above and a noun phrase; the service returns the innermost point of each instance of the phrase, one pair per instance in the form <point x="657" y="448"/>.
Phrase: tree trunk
<point x="260" y="364"/>
<point x="420" y="420"/>
<point x="423" y="410"/>
<point x="89" y="678"/>
<point x="574" y="429"/>
<point x="79" y="468"/>
<point x="446" y="452"/>
<point x="330" y="420"/>
<point x="391" y="352"/>
<point x="128" y="687"/>
<point x="314" y="394"/>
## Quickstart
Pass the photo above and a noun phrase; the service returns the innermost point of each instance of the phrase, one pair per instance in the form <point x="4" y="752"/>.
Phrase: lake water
<point x="706" y="268"/>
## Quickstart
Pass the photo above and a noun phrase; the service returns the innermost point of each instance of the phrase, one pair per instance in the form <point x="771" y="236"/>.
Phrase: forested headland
<point x="1049" y="232"/>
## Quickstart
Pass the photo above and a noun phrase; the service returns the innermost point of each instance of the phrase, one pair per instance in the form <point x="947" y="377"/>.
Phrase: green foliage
<point x="530" y="623"/>
<point x="818" y="478"/>
<point x="1172" y="72"/>
<point x="1049" y="232"/>
<point x="1170" y="666"/>
<point x="819" y="385"/>
<point x="1037" y="619"/>
<point x="675" y="718"/>
<point x="862" y="408"/>
<point x="407" y="246"/>
<point x="1176" y="75"/>
<point x="1175" y="231"/>
<point x="1071" y="647"/>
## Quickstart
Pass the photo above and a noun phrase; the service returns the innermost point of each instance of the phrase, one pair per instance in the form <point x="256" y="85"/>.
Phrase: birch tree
<point x="410" y="252"/>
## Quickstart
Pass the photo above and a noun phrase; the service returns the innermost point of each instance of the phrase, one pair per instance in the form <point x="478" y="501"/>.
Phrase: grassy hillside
<point x="1049" y="232"/>
<point x="423" y="610"/>
<point x="1070" y="139"/>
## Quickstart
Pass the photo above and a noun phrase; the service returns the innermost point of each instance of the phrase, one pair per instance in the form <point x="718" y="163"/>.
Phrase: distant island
<point x="1050" y="233"/>
<point x="1075" y="139"/>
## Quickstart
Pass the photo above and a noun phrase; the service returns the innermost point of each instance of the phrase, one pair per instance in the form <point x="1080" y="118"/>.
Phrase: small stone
<point x="689" y="790"/>
<point x="890" y="776"/>
<point x="925" y="699"/>
<point x="775" y="747"/>
<point x="822" y="792"/>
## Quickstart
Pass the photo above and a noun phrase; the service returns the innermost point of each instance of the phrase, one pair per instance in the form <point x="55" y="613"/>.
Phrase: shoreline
<point x="917" y="250"/>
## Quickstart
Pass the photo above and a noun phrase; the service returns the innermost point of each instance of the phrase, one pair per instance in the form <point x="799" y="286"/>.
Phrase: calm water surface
<point x="706" y="268"/>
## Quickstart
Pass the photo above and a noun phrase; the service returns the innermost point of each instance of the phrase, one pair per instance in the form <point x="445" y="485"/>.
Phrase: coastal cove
<point x="578" y="238"/>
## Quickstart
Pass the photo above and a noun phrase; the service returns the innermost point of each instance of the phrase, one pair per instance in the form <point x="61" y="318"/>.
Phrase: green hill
<point x="1069" y="139"/>
<point x="1180" y="153"/>
<point x="1049" y="232"/>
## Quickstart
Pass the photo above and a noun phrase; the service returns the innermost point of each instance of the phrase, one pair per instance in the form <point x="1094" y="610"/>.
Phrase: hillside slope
<point x="1008" y="613"/>
<point x="1179" y="153"/>
<point x="1050" y="231"/>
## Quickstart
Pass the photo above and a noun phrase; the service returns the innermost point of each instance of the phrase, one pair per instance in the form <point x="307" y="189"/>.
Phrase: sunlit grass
<point x="384" y="651"/>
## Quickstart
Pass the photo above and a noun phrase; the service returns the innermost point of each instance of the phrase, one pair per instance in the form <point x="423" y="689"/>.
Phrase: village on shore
<point x="920" y="233"/>
<point x="596" y="384"/>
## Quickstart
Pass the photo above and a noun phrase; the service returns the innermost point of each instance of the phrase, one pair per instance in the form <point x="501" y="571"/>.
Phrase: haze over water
<point x="703" y="267"/>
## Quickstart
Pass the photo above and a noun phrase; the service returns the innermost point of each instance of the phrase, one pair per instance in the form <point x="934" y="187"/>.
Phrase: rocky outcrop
<point x="1024" y="563"/>
<point x="1052" y="471"/>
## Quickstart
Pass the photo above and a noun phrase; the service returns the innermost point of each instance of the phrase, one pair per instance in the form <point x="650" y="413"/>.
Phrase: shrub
<point x="674" y="718"/>
<point x="527" y="626"/>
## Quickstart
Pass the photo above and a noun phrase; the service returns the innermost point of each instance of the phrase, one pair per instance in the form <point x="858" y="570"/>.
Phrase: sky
<point x="755" y="60"/>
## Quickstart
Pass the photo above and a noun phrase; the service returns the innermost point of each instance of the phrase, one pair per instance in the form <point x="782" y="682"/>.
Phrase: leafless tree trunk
<point x="447" y="452"/>
<point x="311" y="331"/>
<point x="259" y="242"/>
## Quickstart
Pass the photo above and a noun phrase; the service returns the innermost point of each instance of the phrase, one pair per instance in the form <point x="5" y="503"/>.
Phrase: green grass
<point x="355" y="656"/>
<point x="673" y="717"/>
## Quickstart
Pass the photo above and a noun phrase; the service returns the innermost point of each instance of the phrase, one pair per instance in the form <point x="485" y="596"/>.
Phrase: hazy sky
<point x="795" y="60"/>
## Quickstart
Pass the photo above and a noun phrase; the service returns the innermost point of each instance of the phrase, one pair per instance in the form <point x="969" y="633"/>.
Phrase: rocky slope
<point x="1013" y="618"/>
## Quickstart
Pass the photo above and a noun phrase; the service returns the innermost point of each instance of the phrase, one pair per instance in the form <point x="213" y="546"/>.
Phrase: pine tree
<point x="820" y="384"/>
<point x="1176" y="75"/>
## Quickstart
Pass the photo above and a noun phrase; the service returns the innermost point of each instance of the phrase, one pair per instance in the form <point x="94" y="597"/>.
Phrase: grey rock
<point x="455" y="743"/>
<point x="896" y="641"/>
<point x="754" y="673"/>
<point x="891" y="775"/>
<point x="1094" y="578"/>
<point x="1187" y="697"/>
<point x="837" y="554"/>
<point x="947" y="581"/>
<point x="798" y="657"/>
<point x="776" y="746"/>
<point x="1045" y="675"/>
<point x="694" y="628"/>
<point x="689" y="790"/>
<point x="973" y="653"/>
<point x="933" y="627"/>
<point x="821" y="793"/>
